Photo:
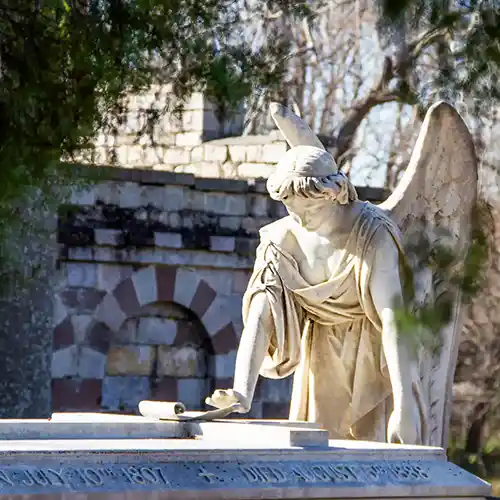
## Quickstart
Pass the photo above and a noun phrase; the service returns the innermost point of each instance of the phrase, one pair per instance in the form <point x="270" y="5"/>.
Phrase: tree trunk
<point x="26" y="317"/>
<point x="474" y="439"/>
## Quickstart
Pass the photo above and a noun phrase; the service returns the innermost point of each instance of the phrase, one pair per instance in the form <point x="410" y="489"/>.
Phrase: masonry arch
<point x="184" y="289"/>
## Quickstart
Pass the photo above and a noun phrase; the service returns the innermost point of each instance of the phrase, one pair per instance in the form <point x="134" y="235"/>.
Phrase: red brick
<point x="225" y="340"/>
<point x="77" y="395"/>
<point x="99" y="337"/>
<point x="165" y="283"/>
<point x="189" y="333"/>
<point x="64" y="334"/>
<point x="126" y="297"/>
<point x="223" y="383"/>
<point x="85" y="299"/>
<point x="164" y="390"/>
<point x="275" y="410"/>
<point x="203" y="297"/>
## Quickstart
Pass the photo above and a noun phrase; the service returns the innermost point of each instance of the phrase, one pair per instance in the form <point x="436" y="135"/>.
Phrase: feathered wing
<point x="437" y="195"/>
<point x="294" y="129"/>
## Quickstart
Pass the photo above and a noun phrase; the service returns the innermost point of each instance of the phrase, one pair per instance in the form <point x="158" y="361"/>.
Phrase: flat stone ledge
<point x="102" y="173"/>
<point x="179" y="469"/>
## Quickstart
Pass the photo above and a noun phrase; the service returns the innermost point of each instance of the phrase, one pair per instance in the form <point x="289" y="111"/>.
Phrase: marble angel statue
<point x="320" y="303"/>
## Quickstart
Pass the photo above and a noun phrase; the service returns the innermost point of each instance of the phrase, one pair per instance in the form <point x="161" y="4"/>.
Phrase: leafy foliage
<point x="67" y="67"/>
<point x="466" y="28"/>
<point x="453" y="275"/>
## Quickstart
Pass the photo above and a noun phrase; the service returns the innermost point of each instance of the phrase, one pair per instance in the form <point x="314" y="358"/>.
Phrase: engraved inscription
<point x="197" y="475"/>
<point x="263" y="474"/>
<point x="360" y="473"/>
<point x="209" y="477"/>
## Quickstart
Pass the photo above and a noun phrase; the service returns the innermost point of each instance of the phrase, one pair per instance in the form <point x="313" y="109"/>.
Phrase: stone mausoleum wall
<point x="153" y="266"/>
<point x="192" y="142"/>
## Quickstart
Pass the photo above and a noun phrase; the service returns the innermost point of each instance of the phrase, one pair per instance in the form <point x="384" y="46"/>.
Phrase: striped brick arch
<point x="170" y="284"/>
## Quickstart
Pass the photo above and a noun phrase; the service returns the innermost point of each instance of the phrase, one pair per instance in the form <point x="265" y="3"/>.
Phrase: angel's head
<point x="308" y="182"/>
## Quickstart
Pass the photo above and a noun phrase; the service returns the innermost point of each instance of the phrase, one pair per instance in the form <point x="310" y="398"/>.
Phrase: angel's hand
<point x="226" y="398"/>
<point x="404" y="425"/>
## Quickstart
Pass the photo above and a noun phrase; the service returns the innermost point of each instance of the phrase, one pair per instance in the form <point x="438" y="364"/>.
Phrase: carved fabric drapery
<point x="329" y="335"/>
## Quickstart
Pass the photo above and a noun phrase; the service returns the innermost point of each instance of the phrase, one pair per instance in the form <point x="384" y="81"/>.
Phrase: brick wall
<point x="152" y="269"/>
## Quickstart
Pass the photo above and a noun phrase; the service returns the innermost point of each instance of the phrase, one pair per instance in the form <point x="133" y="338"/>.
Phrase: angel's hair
<point x="309" y="172"/>
<point x="336" y="187"/>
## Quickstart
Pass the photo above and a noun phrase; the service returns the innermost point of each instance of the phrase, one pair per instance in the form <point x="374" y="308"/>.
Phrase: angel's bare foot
<point x="224" y="398"/>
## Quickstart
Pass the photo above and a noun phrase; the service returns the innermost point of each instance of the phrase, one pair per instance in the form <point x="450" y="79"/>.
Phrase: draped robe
<point x="328" y="334"/>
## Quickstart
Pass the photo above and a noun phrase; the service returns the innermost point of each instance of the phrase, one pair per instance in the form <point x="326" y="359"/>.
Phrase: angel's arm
<point x="252" y="349"/>
<point x="386" y="290"/>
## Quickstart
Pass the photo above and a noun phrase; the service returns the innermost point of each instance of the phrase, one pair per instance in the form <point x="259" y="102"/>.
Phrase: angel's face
<point x="311" y="214"/>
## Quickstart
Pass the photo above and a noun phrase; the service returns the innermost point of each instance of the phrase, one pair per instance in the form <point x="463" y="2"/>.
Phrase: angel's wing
<point x="294" y="129"/>
<point x="437" y="194"/>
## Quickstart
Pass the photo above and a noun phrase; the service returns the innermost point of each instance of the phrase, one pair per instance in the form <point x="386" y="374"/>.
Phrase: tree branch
<point x="381" y="93"/>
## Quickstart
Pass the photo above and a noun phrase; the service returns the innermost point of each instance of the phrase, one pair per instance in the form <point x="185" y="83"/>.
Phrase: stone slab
<point x="138" y="457"/>
<point x="293" y="436"/>
<point x="178" y="469"/>
<point x="109" y="427"/>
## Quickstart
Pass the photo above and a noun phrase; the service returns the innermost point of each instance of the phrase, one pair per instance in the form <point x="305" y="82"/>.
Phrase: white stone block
<point x="187" y="282"/>
<point x="197" y="200"/>
<point x="121" y="154"/>
<point x="216" y="316"/>
<point x="64" y="362"/>
<point x="236" y="205"/>
<point x="259" y="206"/>
<point x="207" y="169"/>
<point x="129" y="194"/>
<point x="193" y="391"/>
<point x="229" y="170"/>
<point x="197" y="154"/>
<point x="195" y="101"/>
<point x="152" y="155"/>
<point x="134" y="155"/>
<point x="83" y="195"/>
<point x="80" y="253"/>
<point x="152" y="195"/>
<point x="168" y="240"/>
<point x="110" y="313"/>
<point x="192" y="121"/>
<point x="186" y="139"/>
<point x="110" y="237"/>
<point x="59" y="310"/>
<point x="273" y="153"/>
<point x="231" y="222"/>
<point x="91" y="363"/>
<point x="156" y="331"/>
<point x="174" y="198"/>
<point x="218" y="203"/>
<point x="238" y="153"/>
<point x="145" y="286"/>
<point x="222" y="243"/>
<point x="220" y="280"/>
<point x="254" y="153"/>
<point x="177" y="156"/>
<point x="223" y="365"/>
<point x="109" y="275"/>
<point x="185" y="361"/>
<point x="255" y="170"/>
<point x="214" y="153"/>
<point x="186" y="169"/>
<point x="82" y="274"/>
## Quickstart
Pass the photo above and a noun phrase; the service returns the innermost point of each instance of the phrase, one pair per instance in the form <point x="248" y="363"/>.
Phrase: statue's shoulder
<point x="383" y="219"/>
<point x="278" y="231"/>
<point x="384" y="232"/>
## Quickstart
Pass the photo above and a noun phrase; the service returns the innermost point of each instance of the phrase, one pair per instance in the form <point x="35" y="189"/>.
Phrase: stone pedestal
<point x="106" y="456"/>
